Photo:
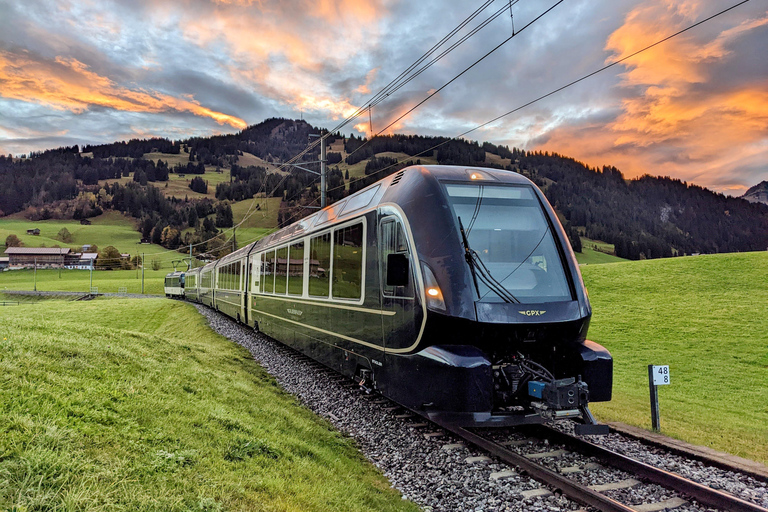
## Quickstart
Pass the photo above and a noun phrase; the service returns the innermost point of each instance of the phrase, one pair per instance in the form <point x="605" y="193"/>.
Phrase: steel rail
<point x="705" y="495"/>
<point x="568" y="487"/>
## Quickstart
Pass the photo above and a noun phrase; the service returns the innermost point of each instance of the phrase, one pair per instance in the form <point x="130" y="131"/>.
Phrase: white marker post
<point x="657" y="376"/>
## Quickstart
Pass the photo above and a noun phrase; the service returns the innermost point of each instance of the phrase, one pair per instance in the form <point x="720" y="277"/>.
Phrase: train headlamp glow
<point x="434" y="295"/>
<point x="476" y="175"/>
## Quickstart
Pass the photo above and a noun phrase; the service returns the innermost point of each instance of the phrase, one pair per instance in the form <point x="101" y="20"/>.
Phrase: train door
<point x="396" y="273"/>
<point x="253" y="287"/>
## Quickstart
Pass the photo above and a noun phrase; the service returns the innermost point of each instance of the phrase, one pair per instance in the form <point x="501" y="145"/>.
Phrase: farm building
<point x="4" y="260"/>
<point x="40" y="256"/>
<point x="80" y="260"/>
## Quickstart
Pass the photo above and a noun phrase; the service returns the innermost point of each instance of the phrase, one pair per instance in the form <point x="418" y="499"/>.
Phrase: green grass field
<point x="705" y="316"/>
<point x="107" y="281"/>
<point x="123" y="404"/>
<point x="110" y="228"/>
<point x="595" y="252"/>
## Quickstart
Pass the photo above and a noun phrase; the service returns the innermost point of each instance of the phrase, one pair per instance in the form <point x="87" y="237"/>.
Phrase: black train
<point x="452" y="290"/>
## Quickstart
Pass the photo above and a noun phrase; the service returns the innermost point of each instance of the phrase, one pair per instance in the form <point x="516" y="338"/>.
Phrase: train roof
<point x="370" y="197"/>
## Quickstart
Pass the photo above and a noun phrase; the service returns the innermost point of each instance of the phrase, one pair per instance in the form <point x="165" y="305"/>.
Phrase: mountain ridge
<point x="647" y="217"/>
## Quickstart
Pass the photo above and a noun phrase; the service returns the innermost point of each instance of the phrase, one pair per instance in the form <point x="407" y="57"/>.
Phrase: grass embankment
<point x="107" y="281"/>
<point x="138" y="405"/>
<point x="705" y="316"/>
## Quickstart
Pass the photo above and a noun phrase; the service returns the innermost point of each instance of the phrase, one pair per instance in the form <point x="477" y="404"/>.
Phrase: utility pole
<point x="323" y="200"/>
<point x="90" y="286"/>
<point x="234" y="239"/>
<point x="190" y="255"/>
<point x="35" y="274"/>
<point x="142" y="273"/>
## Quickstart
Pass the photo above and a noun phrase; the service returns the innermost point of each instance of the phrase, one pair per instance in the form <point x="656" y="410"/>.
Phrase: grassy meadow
<point x="107" y="281"/>
<point x="119" y="404"/>
<point x="705" y="316"/>
<point x="110" y="228"/>
<point x="594" y="251"/>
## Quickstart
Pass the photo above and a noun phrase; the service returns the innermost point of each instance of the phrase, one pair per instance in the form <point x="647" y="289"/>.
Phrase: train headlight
<point x="434" y="295"/>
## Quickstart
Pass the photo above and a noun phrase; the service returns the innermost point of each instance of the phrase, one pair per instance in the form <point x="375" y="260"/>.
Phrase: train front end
<point x="508" y="312"/>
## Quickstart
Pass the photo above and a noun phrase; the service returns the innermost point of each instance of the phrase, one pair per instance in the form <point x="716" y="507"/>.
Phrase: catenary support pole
<point x="35" y="274"/>
<point x="323" y="200"/>
<point x="142" y="273"/>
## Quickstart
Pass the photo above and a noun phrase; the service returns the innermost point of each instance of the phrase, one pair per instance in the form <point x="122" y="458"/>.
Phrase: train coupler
<point x="567" y="398"/>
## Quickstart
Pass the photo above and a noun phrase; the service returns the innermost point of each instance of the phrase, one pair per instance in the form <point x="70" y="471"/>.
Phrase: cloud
<point x="680" y="113"/>
<point x="65" y="83"/>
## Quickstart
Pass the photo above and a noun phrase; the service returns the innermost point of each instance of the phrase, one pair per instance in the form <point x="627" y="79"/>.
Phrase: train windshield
<point x="516" y="259"/>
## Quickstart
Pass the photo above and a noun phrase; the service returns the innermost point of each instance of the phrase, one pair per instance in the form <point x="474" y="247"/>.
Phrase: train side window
<point x="394" y="241"/>
<point x="281" y="270"/>
<point x="320" y="265"/>
<point x="269" y="272"/>
<point x="296" y="269"/>
<point x="348" y="262"/>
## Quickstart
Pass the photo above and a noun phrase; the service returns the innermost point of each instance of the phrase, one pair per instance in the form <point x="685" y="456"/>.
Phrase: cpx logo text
<point x="532" y="312"/>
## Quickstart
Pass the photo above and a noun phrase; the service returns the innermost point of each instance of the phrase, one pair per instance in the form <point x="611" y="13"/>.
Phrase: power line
<point x="554" y="91"/>
<point x="449" y="82"/>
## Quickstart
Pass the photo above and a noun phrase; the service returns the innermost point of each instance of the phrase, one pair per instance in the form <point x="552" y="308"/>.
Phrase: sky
<point x="693" y="108"/>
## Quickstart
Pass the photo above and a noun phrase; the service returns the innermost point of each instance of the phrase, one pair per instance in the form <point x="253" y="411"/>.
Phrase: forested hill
<point x="648" y="217"/>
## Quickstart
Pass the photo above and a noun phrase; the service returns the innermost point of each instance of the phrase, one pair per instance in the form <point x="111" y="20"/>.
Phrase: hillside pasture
<point x="497" y="160"/>
<point x="705" y="317"/>
<point x="595" y="252"/>
<point x="120" y="404"/>
<point x="110" y="228"/>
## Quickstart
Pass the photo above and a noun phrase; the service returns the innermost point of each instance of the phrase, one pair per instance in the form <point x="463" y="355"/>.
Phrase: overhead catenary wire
<point x="402" y="79"/>
<point x="388" y="89"/>
<point x="449" y="82"/>
<point x="555" y="91"/>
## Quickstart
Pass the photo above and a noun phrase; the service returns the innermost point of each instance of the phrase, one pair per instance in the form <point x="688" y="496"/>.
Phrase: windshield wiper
<point x="477" y="267"/>
<point x="468" y="256"/>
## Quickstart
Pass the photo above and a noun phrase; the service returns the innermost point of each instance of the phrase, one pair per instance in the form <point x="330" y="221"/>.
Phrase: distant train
<point x="451" y="290"/>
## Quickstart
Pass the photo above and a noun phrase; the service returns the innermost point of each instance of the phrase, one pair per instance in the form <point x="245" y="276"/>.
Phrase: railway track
<point x="443" y="467"/>
<point x="593" y="495"/>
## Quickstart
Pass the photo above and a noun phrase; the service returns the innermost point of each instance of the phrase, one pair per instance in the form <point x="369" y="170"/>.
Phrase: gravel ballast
<point x="438" y="472"/>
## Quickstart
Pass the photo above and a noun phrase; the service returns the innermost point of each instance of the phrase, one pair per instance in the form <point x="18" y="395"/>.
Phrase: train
<point x="451" y="290"/>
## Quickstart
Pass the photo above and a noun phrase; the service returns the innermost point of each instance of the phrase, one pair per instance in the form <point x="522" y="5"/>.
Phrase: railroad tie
<point x="431" y="435"/>
<point x="624" y="484"/>
<point x="546" y="455"/>
<point x="515" y="442"/>
<point x="535" y="493"/>
<point x="501" y="475"/>
<point x="669" y="504"/>
<point x="393" y="408"/>
<point x="418" y="425"/>
<point x="404" y="416"/>
<point x="576" y="469"/>
<point x="482" y="459"/>
<point x="454" y="446"/>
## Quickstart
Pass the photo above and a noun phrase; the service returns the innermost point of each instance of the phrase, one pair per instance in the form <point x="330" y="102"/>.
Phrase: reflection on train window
<point x="296" y="269"/>
<point x="348" y="262"/>
<point x="319" y="265"/>
<point x="269" y="272"/>
<point x="393" y="241"/>
<point x="256" y="276"/>
<point x="507" y="229"/>
<point x="281" y="270"/>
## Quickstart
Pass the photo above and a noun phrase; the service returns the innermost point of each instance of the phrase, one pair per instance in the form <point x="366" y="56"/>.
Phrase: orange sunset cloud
<point x="677" y="117"/>
<point x="68" y="84"/>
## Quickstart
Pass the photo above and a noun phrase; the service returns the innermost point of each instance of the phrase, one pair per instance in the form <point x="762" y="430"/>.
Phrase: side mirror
<point x="397" y="270"/>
